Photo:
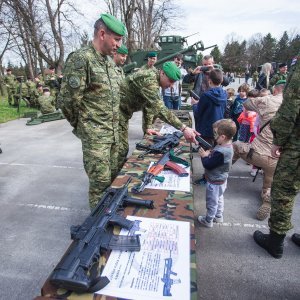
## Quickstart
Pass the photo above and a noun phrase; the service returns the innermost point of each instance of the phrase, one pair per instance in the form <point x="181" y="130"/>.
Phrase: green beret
<point x="280" y="82"/>
<point x="152" y="54"/>
<point x="171" y="70"/>
<point x="113" y="24"/>
<point x="122" y="50"/>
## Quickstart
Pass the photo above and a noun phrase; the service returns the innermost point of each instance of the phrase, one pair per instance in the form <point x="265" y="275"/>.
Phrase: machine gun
<point x="161" y="144"/>
<point x="168" y="282"/>
<point x="168" y="160"/>
<point x="77" y="270"/>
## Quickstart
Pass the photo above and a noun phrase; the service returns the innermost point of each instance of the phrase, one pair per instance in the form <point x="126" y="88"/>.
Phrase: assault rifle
<point x="169" y="161"/>
<point x="203" y="143"/>
<point x="77" y="270"/>
<point x="161" y="144"/>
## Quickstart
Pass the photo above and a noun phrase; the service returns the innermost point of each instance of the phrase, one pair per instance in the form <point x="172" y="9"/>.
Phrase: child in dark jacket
<point x="217" y="163"/>
<point x="211" y="106"/>
<point x="237" y="107"/>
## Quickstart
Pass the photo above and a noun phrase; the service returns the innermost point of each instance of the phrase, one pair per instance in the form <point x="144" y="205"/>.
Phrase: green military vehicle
<point x="170" y="45"/>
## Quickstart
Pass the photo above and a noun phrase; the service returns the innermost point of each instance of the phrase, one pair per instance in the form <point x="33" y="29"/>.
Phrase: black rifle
<point x="203" y="143"/>
<point x="194" y="95"/>
<point x="77" y="270"/>
<point x="161" y="144"/>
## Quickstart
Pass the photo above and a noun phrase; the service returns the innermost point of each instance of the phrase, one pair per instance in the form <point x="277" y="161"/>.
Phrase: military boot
<point x="272" y="242"/>
<point x="296" y="239"/>
<point x="265" y="209"/>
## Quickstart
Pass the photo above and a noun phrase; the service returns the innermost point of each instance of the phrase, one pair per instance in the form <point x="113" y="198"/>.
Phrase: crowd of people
<point x="98" y="100"/>
<point x="39" y="92"/>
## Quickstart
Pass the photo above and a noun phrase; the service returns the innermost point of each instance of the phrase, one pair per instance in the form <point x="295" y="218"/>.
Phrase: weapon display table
<point x="170" y="205"/>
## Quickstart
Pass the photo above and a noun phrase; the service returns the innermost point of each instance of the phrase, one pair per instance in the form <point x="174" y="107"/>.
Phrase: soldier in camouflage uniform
<point x="119" y="58"/>
<point x="10" y="81"/>
<point x="140" y="91"/>
<point x="90" y="100"/>
<point x="51" y="80"/>
<point x="280" y="75"/>
<point x="152" y="59"/>
<point x="46" y="102"/>
<point x="21" y="91"/>
<point x="286" y="183"/>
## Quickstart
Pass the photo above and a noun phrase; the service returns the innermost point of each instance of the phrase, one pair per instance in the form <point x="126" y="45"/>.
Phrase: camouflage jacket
<point x="89" y="95"/>
<point x="278" y="76"/>
<point x="140" y="91"/>
<point x="46" y="104"/>
<point x="286" y="123"/>
<point x="10" y="81"/>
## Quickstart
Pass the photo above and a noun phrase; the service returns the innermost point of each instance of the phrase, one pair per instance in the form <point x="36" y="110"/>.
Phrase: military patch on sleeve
<point x="79" y="63"/>
<point x="74" y="82"/>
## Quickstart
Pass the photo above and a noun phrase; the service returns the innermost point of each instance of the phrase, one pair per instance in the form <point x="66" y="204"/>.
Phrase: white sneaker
<point x="253" y="172"/>
<point x="202" y="220"/>
<point x="218" y="219"/>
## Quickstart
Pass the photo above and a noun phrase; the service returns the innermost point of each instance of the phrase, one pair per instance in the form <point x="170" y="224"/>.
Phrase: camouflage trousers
<point x="123" y="144"/>
<point x="11" y="95"/>
<point x="286" y="185"/>
<point x="101" y="166"/>
<point x="266" y="163"/>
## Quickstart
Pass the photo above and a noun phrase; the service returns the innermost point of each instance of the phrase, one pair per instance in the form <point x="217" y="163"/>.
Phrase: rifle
<point x="203" y="143"/>
<point x="194" y="95"/>
<point x="161" y="144"/>
<point x="77" y="270"/>
<point x="166" y="161"/>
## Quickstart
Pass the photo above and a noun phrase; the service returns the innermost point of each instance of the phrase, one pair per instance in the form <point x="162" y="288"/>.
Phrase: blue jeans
<point x="172" y="102"/>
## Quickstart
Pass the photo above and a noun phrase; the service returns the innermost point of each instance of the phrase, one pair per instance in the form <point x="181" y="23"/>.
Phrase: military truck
<point x="170" y="45"/>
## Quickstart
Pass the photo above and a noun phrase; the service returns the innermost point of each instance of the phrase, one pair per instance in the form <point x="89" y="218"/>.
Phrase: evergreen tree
<point x="268" y="49"/>
<point x="282" y="48"/>
<point x="216" y="53"/>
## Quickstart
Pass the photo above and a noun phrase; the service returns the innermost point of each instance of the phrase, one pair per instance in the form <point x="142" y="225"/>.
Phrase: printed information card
<point x="161" y="270"/>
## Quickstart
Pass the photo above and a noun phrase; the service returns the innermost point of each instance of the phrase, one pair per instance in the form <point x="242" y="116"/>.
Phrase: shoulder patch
<point x="74" y="82"/>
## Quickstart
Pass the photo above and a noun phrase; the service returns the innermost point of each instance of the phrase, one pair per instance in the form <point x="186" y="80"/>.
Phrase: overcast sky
<point x="217" y="20"/>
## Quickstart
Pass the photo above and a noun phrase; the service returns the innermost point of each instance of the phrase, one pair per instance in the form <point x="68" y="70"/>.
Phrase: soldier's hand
<point x="275" y="151"/>
<point x="152" y="132"/>
<point x="190" y="135"/>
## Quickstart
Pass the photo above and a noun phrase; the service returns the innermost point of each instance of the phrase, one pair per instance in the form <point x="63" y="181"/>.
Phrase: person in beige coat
<point x="258" y="153"/>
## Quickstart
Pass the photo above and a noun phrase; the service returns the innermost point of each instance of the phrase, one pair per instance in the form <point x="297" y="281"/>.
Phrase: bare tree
<point x="145" y="20"/>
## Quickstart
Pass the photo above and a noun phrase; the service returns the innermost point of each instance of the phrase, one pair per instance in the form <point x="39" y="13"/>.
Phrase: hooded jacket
<point x="209" y="109"/>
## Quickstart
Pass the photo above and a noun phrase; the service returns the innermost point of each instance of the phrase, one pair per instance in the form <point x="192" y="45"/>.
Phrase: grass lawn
<point x="8" y="113"/>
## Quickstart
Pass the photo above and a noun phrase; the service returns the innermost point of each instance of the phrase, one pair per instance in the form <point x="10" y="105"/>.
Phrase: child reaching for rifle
<point x="217" y="163"/>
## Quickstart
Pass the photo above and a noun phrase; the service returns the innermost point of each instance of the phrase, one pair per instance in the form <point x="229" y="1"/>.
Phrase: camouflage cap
<point x="122" y="50"/>
<point x="113" y="24"/>
<point x="152" y="54"/>
<point x="171" y="70"/>
<point x="282" y="81"/>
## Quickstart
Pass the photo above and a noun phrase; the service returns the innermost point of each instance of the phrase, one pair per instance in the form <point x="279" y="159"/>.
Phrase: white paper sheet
<point x="161" y="270"/>
<point x="172" y="181"/>
<point x="167" y="129"/>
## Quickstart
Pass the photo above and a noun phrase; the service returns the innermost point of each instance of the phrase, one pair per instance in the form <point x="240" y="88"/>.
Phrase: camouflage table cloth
<point x="170" y="205"/>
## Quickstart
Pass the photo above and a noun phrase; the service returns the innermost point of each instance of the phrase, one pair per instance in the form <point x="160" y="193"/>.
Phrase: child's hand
<point x="194" y="101"/>
<point x="203" y="153"/>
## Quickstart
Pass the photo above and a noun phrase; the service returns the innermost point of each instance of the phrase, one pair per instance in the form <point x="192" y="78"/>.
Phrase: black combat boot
<point x="272" y="242"/>
<point x="296" y="239"/>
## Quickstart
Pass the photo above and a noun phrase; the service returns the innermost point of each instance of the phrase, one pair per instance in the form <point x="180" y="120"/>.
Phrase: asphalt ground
<point x="43" y="191"/>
